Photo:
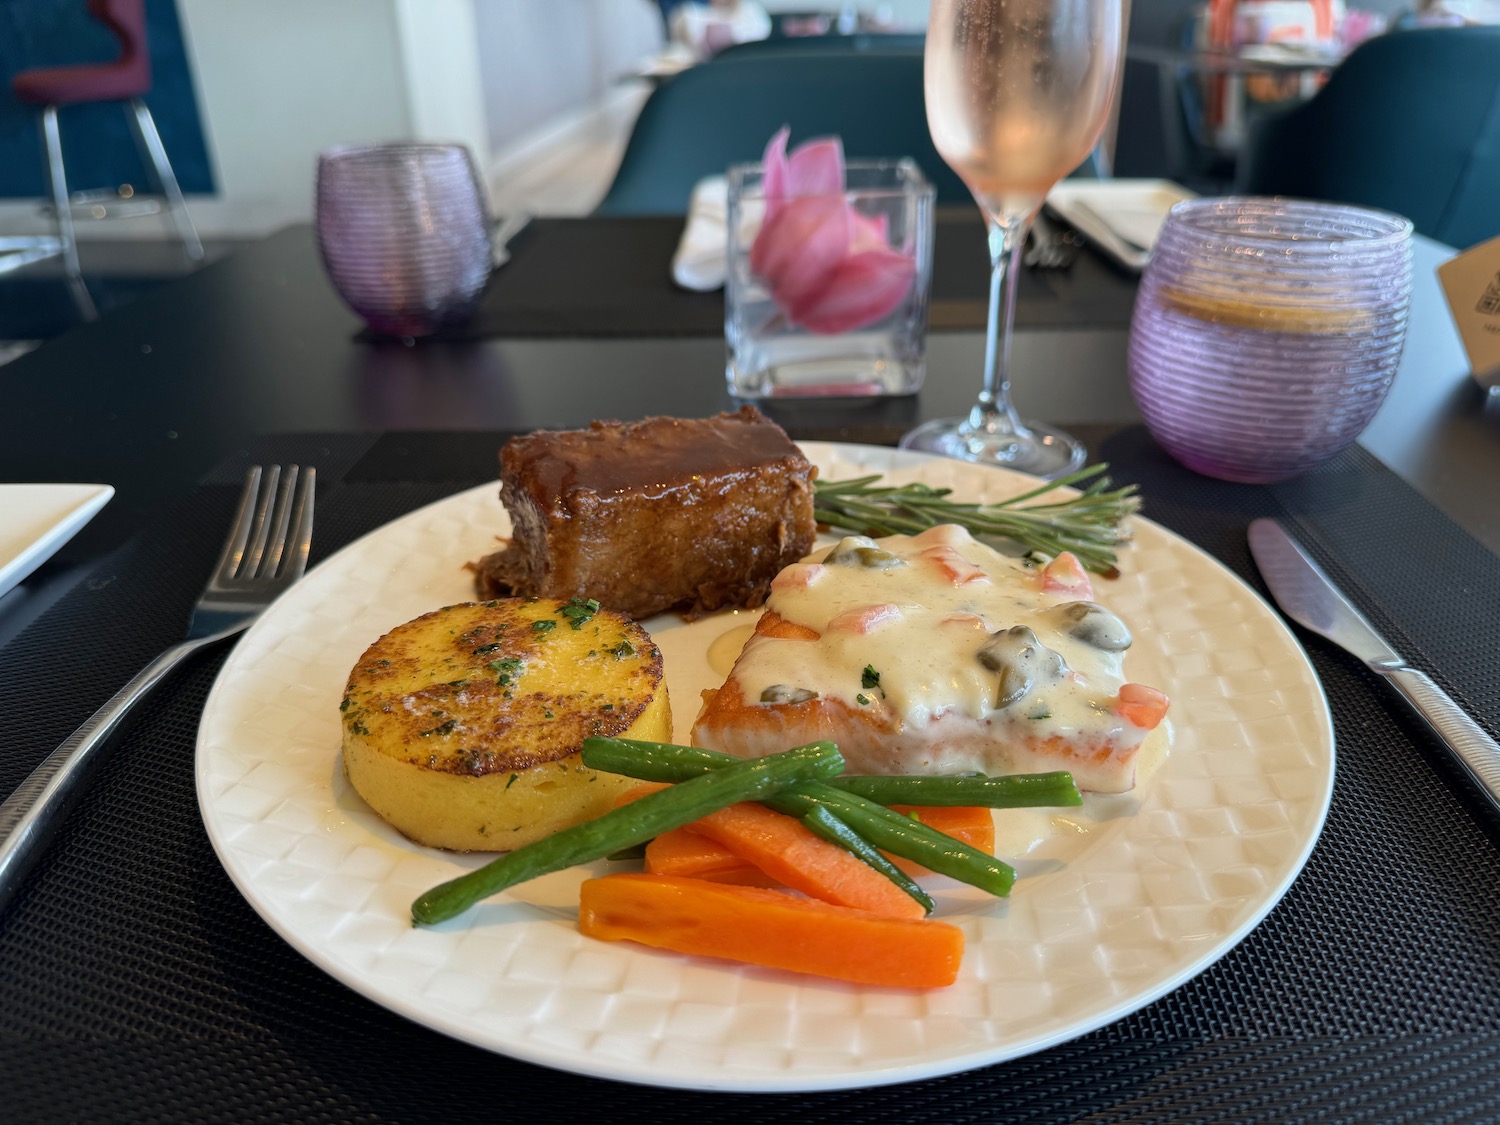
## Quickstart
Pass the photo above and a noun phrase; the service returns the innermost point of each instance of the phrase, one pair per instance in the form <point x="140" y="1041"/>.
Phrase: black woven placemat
<point x="136" y="984"/>
<point x="612" y="277"/>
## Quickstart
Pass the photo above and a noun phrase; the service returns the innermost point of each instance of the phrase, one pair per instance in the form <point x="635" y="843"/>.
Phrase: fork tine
<point x="280" y="518"/>
<point x="295" y="562"/>
<point x="265" y="505"/>
<point x="244" y="521"/>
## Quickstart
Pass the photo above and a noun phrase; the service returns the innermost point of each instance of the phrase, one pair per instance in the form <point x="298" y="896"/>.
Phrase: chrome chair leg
<point x="63" y="205"/>
<point x="150" y="139"/>
<point x="60" y="201"/>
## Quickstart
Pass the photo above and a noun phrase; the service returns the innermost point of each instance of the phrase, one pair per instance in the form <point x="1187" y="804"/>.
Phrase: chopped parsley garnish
<point x="622" y="650"/>
<point x="864" y="700"/>
<point x="579" y="611"/>
<point x="441" y="728"/>
<point x="491" y="647"/>
<point x="507" y="668"/>
<point x="358" y="727"/>
<point x="869" y="678"/>
<point x="545" y="625"/>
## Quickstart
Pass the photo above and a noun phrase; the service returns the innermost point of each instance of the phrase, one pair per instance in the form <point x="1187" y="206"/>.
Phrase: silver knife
<point x="1309" y="597"/>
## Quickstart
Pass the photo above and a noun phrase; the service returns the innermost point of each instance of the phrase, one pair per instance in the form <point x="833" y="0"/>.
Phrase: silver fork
<point x="265" y="553"/>
<point x="1048" y="247"/>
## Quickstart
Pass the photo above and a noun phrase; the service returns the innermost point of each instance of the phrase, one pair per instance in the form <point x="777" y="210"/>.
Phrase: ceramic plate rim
<point x="237" y="864"/>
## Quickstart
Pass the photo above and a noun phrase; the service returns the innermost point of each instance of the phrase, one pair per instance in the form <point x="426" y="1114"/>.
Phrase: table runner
<point x="135" y="982"/>
<point x="627" y="289"/>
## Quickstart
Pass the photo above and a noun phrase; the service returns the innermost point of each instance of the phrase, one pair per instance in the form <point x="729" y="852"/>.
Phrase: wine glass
<point x="1018" y="92"/>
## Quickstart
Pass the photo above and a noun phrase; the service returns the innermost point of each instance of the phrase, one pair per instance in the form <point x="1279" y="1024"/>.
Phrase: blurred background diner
<point x="197" y="124"/>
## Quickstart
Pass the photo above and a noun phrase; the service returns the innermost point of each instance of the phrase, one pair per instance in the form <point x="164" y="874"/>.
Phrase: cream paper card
<point x="1471" y="282"/>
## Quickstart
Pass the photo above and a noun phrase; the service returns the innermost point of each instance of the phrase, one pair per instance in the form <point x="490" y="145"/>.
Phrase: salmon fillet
<point x="934" y="654"/>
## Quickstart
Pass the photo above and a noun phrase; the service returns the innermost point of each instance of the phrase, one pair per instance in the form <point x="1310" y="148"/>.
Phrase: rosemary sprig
<point x="1091" y="524"/>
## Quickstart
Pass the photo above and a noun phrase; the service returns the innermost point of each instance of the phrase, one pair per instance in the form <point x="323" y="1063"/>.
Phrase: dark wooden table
<point x="135" y="982"/>
<point x="151" y="398"/>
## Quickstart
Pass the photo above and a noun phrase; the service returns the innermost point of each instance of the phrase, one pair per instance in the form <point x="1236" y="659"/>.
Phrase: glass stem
<point x="993" y="412"/>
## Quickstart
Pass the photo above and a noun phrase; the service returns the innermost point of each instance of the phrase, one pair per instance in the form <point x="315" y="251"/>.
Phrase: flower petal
<point x="864" y="288"/>
<point x="871" y="232"/>
<point x="774" y="170"/>
<point x="817" y="168"/>
<point x="798" y="248"/>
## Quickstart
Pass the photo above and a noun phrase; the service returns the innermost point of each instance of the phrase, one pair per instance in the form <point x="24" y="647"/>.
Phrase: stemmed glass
<point x="1018" y="92"/>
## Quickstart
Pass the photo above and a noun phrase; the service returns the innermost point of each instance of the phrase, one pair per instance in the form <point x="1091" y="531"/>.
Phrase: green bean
<point x="1013" y="791"/>
<point x="890" y="831"/>
<point x="635" y="823"/>
<point x="823" y="823"/>
<point x="903" y="836"/>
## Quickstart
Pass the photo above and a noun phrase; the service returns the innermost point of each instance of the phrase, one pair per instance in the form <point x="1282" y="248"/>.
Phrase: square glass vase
<point x="804" y="343"/>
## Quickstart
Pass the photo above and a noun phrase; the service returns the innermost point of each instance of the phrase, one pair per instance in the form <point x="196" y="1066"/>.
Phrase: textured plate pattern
<point x="1120" y="903"/>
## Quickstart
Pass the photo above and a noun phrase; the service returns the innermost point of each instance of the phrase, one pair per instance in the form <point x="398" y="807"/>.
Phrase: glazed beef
<point x="668" y="513"/>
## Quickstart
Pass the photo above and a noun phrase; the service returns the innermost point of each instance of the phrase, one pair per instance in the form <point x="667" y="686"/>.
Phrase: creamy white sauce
<point x="921" y="625"/>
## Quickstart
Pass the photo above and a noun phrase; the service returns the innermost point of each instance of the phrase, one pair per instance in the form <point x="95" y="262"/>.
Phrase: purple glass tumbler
<point x="1267" y="332"/>
<point x="404" y="233"/>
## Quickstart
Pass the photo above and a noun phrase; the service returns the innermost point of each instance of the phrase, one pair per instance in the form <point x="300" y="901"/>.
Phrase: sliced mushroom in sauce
<point x="1022" y="661"/>
<point x="860" y="550"/>
<point x="784" y="693"/>
<point x="1092" y="624"/>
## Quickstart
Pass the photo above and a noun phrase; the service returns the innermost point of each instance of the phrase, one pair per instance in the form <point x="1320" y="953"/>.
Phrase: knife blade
<point x="1309" y="597"/>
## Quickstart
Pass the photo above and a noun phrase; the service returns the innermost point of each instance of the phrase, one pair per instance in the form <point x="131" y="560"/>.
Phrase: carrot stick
<point x="785" y="849"/>
<point x="770" y="928"/>
<point x="685" y="852"/>
<point x="974" y="826"/>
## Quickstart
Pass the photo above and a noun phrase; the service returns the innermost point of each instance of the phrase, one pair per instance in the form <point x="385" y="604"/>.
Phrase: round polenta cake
<point x="462" y="728"/>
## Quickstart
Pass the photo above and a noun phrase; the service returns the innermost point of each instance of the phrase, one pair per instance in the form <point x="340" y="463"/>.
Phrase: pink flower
<point x="828" y="268"/>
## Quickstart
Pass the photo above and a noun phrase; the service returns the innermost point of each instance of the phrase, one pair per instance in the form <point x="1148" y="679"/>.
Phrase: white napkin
<point x="700" y="261"/>
<point x="1139" y="225"/>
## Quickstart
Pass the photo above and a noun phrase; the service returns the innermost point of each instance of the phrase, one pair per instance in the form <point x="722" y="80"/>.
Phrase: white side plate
<point x="37" y="519"/>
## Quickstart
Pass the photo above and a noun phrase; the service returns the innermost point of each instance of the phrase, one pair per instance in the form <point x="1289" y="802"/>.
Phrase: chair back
<point x="1409" y="122"/>
<point x="722" y="113"/>
<point x="126" y="76"/>
<point x="127" y="19"/>
<point x="828" y="44"/>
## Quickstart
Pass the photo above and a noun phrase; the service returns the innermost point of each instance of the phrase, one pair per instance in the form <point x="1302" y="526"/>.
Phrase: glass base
<point x="1039" y="450"/>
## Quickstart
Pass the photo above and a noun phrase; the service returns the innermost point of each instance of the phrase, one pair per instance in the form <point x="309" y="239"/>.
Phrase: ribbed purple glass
<point x="404" y="233"/>
<point x="1267" y="332"/>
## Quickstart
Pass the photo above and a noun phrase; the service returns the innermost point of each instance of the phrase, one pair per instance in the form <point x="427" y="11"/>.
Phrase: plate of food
<point x="1189" y="830"/>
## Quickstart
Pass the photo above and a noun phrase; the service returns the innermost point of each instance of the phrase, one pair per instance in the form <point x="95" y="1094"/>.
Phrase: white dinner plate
<point x="1118" y="903"/>
<point x="37" y="519"/>
<point x="1121" y="217"/>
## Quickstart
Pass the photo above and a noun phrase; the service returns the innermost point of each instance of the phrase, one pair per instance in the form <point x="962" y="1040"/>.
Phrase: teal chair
<point x="709" y="117"/>
<point x="825" y="44"/>
<point x="723" y="113"/>
<point x="1410" y="123"/>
